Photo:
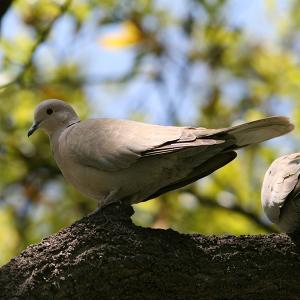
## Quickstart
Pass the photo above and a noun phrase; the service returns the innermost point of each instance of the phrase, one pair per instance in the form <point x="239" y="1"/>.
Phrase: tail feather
<point x="260" y="130"/>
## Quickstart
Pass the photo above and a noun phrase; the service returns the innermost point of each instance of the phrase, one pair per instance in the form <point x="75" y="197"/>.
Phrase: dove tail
<point x="260" y="130"/>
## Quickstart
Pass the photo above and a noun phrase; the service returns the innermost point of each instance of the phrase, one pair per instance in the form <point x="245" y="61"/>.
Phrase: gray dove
<point x="114" y="160"/>
<point x="281" y="192"/>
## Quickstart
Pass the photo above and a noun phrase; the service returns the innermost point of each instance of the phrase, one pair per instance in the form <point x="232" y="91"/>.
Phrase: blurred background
<point x="210" y="63"/>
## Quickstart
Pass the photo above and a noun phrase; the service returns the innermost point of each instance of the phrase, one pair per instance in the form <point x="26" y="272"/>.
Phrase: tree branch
<point x="105" y="256"/>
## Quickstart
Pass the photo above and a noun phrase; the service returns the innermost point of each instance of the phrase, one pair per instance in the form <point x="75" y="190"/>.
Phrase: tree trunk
<point x="105" y="256"/>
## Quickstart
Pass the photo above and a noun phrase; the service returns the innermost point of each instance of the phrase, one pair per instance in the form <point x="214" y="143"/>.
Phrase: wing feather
<point x="111" y="145"/>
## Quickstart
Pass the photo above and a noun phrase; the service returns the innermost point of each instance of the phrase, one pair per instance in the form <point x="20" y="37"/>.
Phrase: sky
<point x="97" y="62"/>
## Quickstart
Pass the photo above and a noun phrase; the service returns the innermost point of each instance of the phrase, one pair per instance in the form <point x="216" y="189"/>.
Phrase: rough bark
<point x="105" y="256"/>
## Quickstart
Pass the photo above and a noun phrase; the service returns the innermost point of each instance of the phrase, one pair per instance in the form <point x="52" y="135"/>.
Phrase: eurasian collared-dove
<point x="281" y="192"/>
<point x="117" y="160"/>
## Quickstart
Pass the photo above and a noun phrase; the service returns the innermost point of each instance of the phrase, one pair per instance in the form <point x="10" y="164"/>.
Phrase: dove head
<point x="52" y="116"/>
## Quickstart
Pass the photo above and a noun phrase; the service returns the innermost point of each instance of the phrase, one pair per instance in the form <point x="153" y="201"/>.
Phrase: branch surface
<point x="105" y="256"/>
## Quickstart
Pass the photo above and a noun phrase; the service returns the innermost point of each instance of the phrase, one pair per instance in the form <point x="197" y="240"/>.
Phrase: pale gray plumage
<point x="117" y="160"/>
<point x="281" y="192"/>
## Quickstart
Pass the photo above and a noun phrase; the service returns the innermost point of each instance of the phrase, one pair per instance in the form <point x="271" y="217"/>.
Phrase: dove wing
<point x="111" y="145"/>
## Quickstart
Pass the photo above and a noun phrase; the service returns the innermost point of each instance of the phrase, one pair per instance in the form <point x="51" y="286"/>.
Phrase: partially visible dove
<point x="118" y="160"/>
<point x="281" y="192"/>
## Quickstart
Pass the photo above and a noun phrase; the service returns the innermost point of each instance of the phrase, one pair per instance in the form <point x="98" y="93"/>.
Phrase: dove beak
<point x="33" y="128"/>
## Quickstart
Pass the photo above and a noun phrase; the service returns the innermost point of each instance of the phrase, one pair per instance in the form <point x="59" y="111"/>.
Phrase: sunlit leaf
<point x="128" y="35"/>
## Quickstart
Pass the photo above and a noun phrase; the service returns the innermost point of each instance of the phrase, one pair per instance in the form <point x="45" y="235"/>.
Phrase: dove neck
<point x="57" y="131"/>
<point x="55" y="135"/>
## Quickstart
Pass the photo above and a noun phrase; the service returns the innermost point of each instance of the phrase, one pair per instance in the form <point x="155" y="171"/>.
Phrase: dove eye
<point x="49" y="111"/>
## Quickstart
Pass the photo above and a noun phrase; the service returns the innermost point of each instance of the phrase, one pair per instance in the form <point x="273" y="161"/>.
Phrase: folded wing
<point x="111" y="145"/>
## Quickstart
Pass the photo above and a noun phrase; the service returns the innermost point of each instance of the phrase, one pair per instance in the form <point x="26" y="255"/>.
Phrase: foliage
<point x="174" y="64"/>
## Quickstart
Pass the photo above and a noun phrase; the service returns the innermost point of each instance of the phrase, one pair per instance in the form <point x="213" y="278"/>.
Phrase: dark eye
<point x="49" y="111"/>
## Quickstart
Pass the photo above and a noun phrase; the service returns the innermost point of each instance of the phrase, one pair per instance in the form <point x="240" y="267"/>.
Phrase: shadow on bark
<point x="105" y="256"/>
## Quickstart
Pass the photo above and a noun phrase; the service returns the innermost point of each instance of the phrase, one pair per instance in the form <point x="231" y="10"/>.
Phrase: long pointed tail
<point x="260" y="130"/>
